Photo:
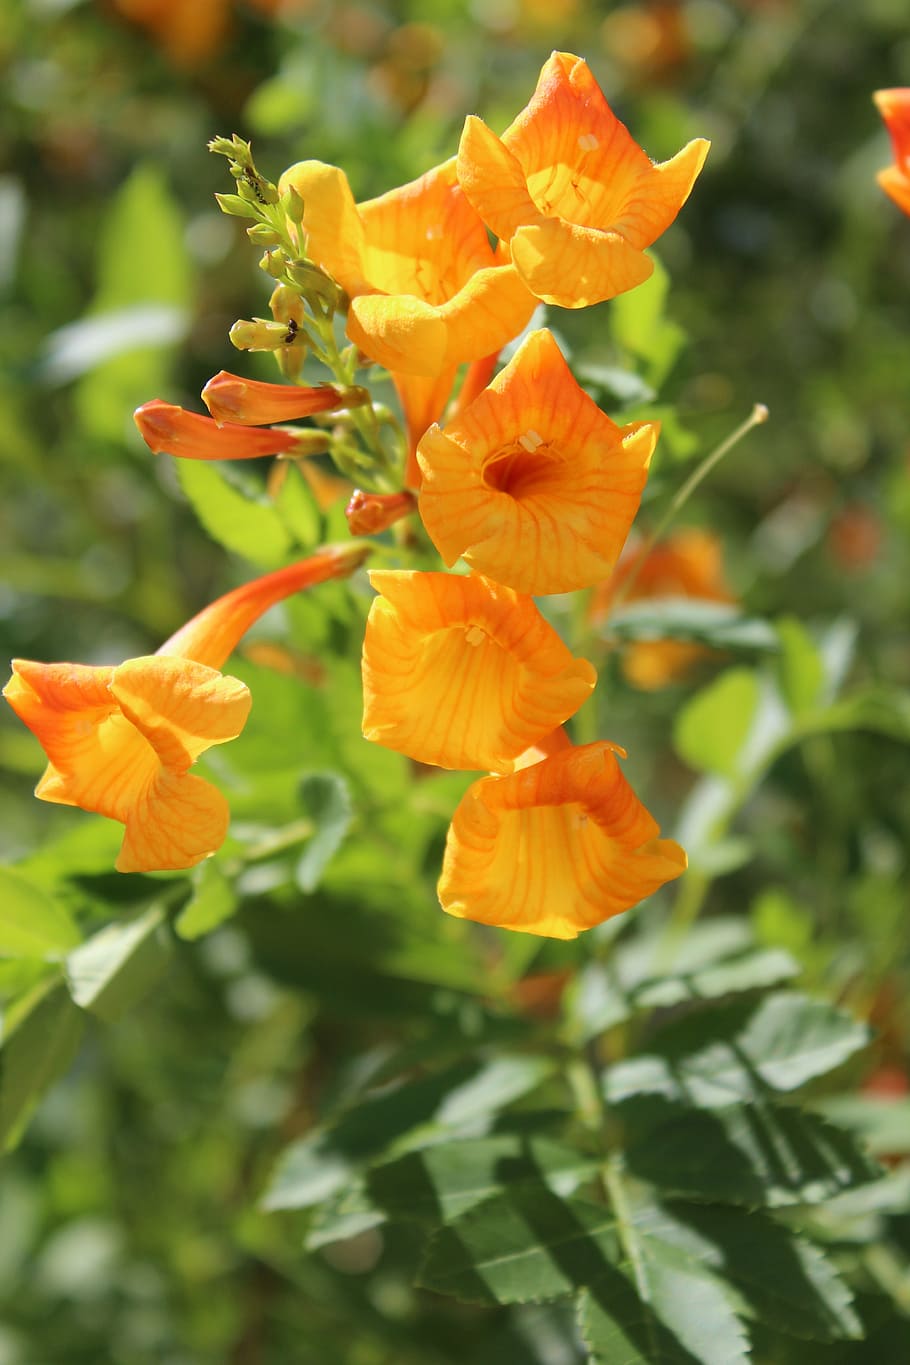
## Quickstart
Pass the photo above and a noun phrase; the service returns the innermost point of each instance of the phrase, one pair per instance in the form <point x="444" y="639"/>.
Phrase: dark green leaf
<point x="783" y="1279"/>
<point x="41" y="1035"/>
<point x="112" y="970"/>
<point x="758" y="1155"/>
<point x="528" y="1244"/>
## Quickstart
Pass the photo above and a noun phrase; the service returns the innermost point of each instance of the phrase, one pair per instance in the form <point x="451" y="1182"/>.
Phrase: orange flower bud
<point x="555" y="848"/>
<point x="250" y="402"/>
<point x="370" y="513"/>
<point x="169" y="429"/>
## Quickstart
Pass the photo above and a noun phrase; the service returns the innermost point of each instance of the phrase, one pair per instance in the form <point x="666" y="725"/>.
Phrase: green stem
<point x="758" y="415"/>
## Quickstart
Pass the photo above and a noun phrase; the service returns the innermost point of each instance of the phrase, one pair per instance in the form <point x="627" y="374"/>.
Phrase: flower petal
<point x="660" y="193"/>
<point x="494" y="306"/>
<point x="532" y="483"/>
<point x="554" y="848"/>
<point x="180" y="707"/>
<point x="574" y="267"/>
<point x="463" y="673"/>
<point x="493" y="180"/>
<point x="334" y="231"/>
<point x="178" y="821"/>
<point x="401" y="332"/>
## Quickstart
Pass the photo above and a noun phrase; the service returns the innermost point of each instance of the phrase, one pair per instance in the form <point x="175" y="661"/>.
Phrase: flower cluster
<point x="519" y="475"/>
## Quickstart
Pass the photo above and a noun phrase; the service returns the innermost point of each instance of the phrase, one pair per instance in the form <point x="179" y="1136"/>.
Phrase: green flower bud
<point x="235" y="206"/>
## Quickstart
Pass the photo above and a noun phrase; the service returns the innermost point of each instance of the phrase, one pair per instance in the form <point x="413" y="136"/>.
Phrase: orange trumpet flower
<point x="251" y="402"/>
<point x="532" y="484"/>
<point x="554" y="848"/>
<point x="894" y="107"/>
<point x="120" y="739"/>
<point x="464" y="673"/>
<point x="569" y="190"/>
<point x="169" y="429"/>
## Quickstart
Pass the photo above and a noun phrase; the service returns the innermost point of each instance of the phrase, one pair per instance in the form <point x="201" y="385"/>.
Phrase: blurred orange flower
<point x="569" y="190"/>
<point x="464" y="673"/>
<point x="894" y="107"/>
<point x="532" y="484"/>
<point x="688" y="563"/>
<point x="554" y="848"/>
<point x="121" y="739"/>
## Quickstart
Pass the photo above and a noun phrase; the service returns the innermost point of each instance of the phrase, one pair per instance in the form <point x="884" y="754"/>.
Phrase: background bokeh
<point x="126" y="1225"/>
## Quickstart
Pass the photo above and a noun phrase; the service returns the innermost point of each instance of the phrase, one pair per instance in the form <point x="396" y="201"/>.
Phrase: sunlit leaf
<point x="112" y="970"/>
<point x="32" y="924"/>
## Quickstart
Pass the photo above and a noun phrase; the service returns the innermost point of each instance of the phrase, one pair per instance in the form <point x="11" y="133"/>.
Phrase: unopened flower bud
<point x="263" y="235"/>
<point x="292" y="205"/>
<point x="169" y="429"/>
<point x="286" y="305"/>
<point x="314" y="283"/>
<point x="251" y="402"/>
<point x="274" y="263"/>
<point x="235" y="206"/>
<point x="369" y="513"/>
<point x="262" y="335"/>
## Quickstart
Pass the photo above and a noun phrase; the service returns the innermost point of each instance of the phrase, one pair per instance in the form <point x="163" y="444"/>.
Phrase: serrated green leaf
<point x="784" y="1279"/>
<point x="214" y="900"/>
<point x="800" y="669"/>
<point x="245" y="524"/>
<point x="757" y="1155"/>
<point x="677" y="1311"/>
<point x="443" y="1181"/>
<point x="711" y="730"/>
<point x="527" y="1245"/>
<point x="32" y="924"/>
<point x="326" y="800"/>
<point x="741" y="1051"/>
<point x="112" y="970"/>
<point x="41" y="1035"/>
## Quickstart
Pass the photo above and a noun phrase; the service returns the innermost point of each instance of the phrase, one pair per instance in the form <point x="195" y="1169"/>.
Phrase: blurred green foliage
<point x="268" y="1010"/>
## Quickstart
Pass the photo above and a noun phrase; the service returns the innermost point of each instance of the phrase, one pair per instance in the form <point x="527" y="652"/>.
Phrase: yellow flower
<point x="569" y="190"/>
<point x="464" y="673"/>
<point x="894" y="107"/>
<point x="554" y="848"/>
<point x="120" y="739"/>
<point x="532" y="484"/>
<point x="426" y="290"/>
<point x="688" y="564"/>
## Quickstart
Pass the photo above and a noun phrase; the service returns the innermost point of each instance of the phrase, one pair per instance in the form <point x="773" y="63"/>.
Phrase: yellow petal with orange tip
<point x="331" y="222"/>
<point x="532" y="483"/>
<point x="575" y="267"/>
<point x="177" y="821"/>
<point x="463" y="673"/>
<point x="554" y="848"/>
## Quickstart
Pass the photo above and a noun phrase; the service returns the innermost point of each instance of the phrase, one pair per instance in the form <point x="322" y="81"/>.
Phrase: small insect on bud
<point x="262" y="335"/>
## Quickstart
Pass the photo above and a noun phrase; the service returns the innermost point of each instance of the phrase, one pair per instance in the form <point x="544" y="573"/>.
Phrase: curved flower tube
<point x="121" y="739"/>
<point x="554" y="848"/>
<point x="532" y="484"/>
<point x="570" y="192"/>
<point x="464" y="673"/>
<point x="894" y="107"/>
<point x="168" y="429"/>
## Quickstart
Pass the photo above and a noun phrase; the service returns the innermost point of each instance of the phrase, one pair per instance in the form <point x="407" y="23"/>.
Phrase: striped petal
<point x="532" y="484"/>
<point x="176" y="822"/>
<point x="554" y="848"/>
<point x="180" y="707"/>
<point x="464" y="673"/>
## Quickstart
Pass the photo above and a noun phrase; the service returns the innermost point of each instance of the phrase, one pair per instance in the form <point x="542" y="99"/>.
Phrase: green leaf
<point x="346" y="1213"/>
<point x="245" y="523"/>
<point x="741" y="1051"/>
<point x="666" y="1307"/>
<point x="758" y="1155"/>
<point x="883" y="1123"/>
<point x="326" y="800"/>
<point x="718" y="625"/>
<point x="639" y="325"/>
<point x="142" y="264"/>
<point x="783" y="1279"/>
<point x="800" y="669"/>
<point x="41" y="1035"/>
<point x="112" y="970"/>
<point x="752" y="971"/>
<point x="711" y="730"/>
<point x="31" y="923"/>
<point x="529" y="1244"/>
<point x="444" y="1181"/>
<point x="298" y="508"/>
<point x="214" y="900"/>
